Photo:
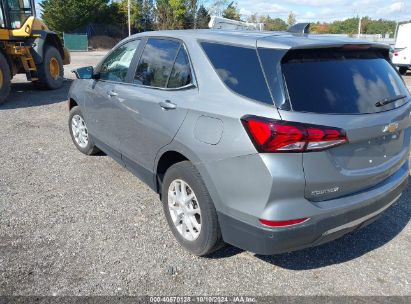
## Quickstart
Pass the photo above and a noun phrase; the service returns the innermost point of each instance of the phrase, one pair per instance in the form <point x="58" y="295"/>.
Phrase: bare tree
<point x="291" y="20"/>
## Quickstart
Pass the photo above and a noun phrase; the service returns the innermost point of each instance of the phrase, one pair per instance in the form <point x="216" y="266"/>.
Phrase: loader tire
<point x="5" y="79"/>
<point x="51" y="71"/>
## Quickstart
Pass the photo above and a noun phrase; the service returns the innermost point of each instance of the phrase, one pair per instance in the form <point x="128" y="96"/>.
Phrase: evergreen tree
<point x="68" y="15"/>
<point x="203" y="18"/>
<point x="145" y="20"/>
<point x="190" y="15"/>
<point x="232" y="12"/>
<point x="271" y="24"/>
<point x="170" y="14"/>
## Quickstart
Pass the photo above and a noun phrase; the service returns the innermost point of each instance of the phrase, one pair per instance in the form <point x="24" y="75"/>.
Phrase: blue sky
<point x="326" y="10"/>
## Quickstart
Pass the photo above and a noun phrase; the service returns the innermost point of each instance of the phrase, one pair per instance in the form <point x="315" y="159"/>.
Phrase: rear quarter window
<point x="240" y="69"/>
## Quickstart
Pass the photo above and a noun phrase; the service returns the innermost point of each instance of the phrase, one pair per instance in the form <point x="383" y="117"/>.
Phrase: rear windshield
<point x="341" y="81"/>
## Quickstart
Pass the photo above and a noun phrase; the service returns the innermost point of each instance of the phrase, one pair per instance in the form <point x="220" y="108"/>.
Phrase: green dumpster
<point x="76" y="42"/>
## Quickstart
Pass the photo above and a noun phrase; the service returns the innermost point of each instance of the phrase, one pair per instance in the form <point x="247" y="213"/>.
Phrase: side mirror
<point x="85" y="73"/>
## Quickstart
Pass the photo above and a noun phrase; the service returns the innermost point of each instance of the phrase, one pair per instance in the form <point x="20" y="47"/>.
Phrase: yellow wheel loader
<point x="28" y="47"/>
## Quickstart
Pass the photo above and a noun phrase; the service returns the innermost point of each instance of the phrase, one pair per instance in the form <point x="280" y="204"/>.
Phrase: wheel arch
<point x="72" y="103"/>
<point x="176" y="152"/>
<point x="41" y="43"/>
<point x="165" y="161"/>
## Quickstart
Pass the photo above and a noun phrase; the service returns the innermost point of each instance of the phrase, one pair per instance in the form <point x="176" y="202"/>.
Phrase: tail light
<point x="269" y="135"/>
<point x="395" y="54"/>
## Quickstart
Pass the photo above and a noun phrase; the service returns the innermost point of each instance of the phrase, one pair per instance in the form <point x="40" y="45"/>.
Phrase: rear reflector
<point x="269" y="135"/>
<point x="283" y="223"/>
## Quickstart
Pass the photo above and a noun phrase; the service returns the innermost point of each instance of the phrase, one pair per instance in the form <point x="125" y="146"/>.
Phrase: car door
<point x="155" y="105"/>
<point x="101" y="102"/>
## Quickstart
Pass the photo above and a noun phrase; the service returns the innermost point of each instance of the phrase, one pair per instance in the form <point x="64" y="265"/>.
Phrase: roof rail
<point x="299" y="28"/>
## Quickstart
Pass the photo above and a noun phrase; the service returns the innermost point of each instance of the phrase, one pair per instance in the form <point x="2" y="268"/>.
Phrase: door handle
<point x="168" y="105"/>
<point x="111" y="93"/>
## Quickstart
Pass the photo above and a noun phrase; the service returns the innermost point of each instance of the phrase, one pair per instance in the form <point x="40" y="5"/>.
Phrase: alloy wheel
<point x="184" y="210"/>
<point x="79" y="130"/>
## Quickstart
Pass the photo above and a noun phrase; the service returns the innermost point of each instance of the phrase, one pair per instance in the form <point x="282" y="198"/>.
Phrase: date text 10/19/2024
<point x="199" y="299"/>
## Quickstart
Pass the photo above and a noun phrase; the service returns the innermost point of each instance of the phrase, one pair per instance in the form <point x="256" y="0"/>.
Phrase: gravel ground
<point x="77" y="225"/>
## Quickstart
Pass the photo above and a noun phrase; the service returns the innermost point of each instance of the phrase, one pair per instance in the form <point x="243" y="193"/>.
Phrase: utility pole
<point x="129" y="17"/>
<point x="359" y="27"/>
<point x="396" y="30"/>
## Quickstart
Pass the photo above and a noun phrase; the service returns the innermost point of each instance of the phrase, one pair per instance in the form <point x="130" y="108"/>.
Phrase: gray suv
<point x="271" y="142"/>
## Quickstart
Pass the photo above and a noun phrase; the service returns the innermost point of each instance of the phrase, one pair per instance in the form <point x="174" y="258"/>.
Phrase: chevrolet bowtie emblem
<point x="391" y="128"/>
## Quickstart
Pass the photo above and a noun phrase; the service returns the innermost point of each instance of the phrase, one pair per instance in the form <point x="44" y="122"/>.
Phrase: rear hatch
<point x="356" y="89"/>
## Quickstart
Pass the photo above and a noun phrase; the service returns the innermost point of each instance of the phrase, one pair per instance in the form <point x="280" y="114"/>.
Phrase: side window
<point x="20" y="11"/>
<point x="115" y="66"/>
<point x="156" y="62"/>
<point x="181" y="73"/>
<point x="240" y="70"/>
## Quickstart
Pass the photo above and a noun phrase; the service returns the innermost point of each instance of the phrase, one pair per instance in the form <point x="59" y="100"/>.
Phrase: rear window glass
<point x="156" y="62"/>
<point x="341" y="81"/>
<point x="240" y="70"/>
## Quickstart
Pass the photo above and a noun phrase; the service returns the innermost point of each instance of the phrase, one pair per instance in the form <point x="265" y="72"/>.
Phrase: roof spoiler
<point x="299" y="28"/>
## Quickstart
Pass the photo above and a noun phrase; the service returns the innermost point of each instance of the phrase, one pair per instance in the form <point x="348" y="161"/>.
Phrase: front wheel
<point x="403" y="70"/>
<point x="189" y="210"/>
<point x="51" y="71"/>
<point x="79" y="133"/>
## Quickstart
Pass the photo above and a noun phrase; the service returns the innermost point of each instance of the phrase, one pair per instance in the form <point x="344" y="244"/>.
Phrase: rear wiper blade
<point x="389" y="100"/>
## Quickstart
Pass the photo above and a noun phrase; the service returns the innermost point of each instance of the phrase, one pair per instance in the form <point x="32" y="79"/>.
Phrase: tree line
<point x="350" y="26"/>
<point x="69" y="15"/>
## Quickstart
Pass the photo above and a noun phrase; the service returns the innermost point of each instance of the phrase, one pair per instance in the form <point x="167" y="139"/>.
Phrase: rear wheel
<point x="189" y="210"/>
<point x="51" y="71"/>
<point x="403" y="70"/>
<point x="5" y="79"/>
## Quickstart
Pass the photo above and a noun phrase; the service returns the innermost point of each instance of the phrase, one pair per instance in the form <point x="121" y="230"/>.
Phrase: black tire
<point x="5" y="79"/>
<point x="46" y="80"/>
<point x="403" y="70"/>
<point x="90" y="148"/>
<point x="209" y="239"/>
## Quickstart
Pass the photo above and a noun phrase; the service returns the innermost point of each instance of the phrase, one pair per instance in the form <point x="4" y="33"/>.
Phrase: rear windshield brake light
<point x="277" y="136"/>
<point x="356" y="46"/>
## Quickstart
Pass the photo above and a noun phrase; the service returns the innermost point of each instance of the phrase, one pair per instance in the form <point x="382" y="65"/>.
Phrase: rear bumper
<point x="328" y="225"/>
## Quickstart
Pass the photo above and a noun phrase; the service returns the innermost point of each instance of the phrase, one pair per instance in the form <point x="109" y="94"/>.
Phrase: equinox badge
<point x="325" y="191"/>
